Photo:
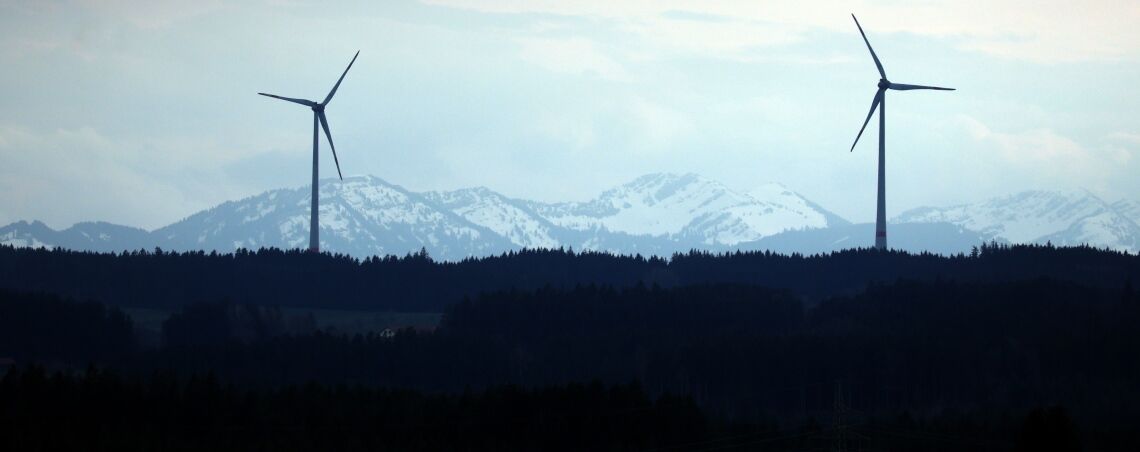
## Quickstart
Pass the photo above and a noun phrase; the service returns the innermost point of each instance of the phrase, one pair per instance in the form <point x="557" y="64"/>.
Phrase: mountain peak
<point x="657" y="186"/>
<point x="663" y="177"/>
<point x="770" y="190"/>
<point x="477" y="190"/>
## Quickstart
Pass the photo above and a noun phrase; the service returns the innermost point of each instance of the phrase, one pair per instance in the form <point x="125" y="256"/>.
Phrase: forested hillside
<point x="998" y="350"/>
<point x="157" y="278"/>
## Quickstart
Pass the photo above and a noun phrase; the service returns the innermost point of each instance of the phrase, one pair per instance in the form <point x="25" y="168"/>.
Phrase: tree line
<point x="416" y="283"/>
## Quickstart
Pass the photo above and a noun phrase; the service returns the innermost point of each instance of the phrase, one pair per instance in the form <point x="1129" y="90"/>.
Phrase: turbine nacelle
<point x="320" y="119"/>
<point x="884" y="84"/>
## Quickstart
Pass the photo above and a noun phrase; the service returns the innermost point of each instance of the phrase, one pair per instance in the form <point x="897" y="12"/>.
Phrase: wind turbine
<point x="319" y="116"/>
<point x="880" y="102"/>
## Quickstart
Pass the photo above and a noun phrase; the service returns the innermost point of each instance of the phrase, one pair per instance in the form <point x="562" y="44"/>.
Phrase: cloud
<point x="91" y="29"/>
<point x="78" y="168"/>
<point x="65" y="175"/>
<point x="1126" y="138"/>
<point x="1048" y="31"/>
<point x="1048" y="148"/>
<point x="661" y="27"/>
<point x="155" y="14"/>
<point x="1121" y="146"/>
<point x="576" y="56"/>
<point x="657" y="127"/>
<point x="1028" y="147"/>
<point x="576" y="130"/>
<point x="729" y="39"/>
<point x="1049" y="158"/>
<point x="680" y="14"/>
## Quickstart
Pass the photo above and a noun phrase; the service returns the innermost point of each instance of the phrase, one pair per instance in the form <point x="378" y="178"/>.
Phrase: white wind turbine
<point x="319" y="116"/>
<point x="880" y="102"/>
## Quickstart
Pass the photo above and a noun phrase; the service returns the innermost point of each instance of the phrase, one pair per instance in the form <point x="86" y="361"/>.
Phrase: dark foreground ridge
<point x="104" y="411"/>
<point x="1024" y="348"/>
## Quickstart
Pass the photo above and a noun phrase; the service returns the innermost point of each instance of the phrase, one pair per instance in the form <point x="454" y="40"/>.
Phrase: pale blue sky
<point x="144" y="112"/>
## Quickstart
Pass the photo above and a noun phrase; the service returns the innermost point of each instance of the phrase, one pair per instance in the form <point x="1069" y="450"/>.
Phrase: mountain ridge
<point x="1060" y="217"/>
<point x="659" y="214"/>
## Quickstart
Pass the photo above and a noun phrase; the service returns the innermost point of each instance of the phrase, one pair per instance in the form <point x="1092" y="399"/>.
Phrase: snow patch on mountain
<point x="93" y="236"/>
<point x="767" y="210"/>
<point x="509" y="218"/>
<point x="22" y="234"/>
<point x="359" y="215"/>
<point x="1023" y="217"/>
<point x="690" y="207"/>
<point x="1129" y="208"/>
<point x="1059" y="217"/>
<point x="1105" y="229"/>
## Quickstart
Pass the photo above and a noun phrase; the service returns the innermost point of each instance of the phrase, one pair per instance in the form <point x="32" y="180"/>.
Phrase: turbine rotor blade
<point x="305" y="102"/>
<point x="325" y="125"/>
<point x="337" y="85"/>
<point x="878" y="65"/>
<point x="905" y="87"/>
<point x="874" y="105"/>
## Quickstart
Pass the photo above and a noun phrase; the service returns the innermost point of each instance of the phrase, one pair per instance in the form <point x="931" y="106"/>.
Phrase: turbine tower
<point x="319" y="116"/>
<point x="880" y="102"/>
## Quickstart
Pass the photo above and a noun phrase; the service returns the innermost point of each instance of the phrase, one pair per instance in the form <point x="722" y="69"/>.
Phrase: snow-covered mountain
<point x="654" y="214"/>
<point x="360" y="216"/>
<point x="1105" y="229"/>
<point x="690" y="208"/>
<point x="512" y="219"/>
<point x="1128" y="208"/>
<point x="1059" y="217"/>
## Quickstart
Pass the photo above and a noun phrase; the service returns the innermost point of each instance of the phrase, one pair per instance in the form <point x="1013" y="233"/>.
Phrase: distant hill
<point x="91" y="236"/>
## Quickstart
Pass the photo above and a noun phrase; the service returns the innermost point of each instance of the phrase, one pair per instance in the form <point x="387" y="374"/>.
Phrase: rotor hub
<point x="884" y="83"/>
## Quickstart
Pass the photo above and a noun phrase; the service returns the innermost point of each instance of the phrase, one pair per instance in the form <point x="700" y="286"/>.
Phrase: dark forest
<point x="1007" y="348"/>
